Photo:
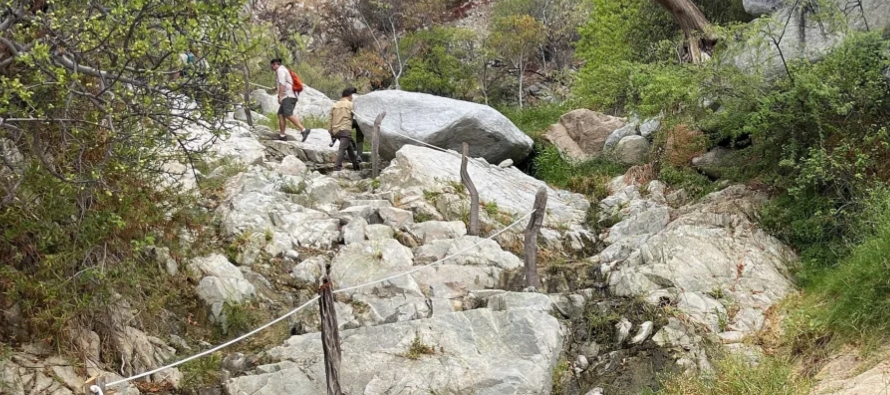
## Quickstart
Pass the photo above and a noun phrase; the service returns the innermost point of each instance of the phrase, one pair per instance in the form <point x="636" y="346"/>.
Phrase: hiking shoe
<point x="282" y="138"/>
<point x="305" y="134"/>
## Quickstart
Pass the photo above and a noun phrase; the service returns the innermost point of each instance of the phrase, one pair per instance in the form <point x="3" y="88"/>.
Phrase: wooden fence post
<point x="375" y="146"/>
<point x="247" y="111"/>
<point x="330" y="336"/>
<point x="531" y="239"/>
<point x="471" y="189"/>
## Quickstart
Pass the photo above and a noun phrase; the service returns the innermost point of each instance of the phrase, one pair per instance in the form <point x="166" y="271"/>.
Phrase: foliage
<point x="418" y="348"/>
<point x="516" y="37"/>
<point x="734" y="375"/>
<point x="589" y="178"/>
<point x="850" y="301"/>
<point x="94" y="105"/>
<point x="443" y="64"/>
<point x="534" y="120"/>
<point x="823" y="132"/>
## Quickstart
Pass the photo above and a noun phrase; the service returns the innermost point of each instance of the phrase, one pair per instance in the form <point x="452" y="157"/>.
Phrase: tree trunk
<point x="696" y="28"/>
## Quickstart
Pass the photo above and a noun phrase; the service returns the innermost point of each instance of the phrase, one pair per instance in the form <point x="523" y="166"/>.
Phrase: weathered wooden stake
<point x="471" y="189"/>
<point x="375" y="146"/>
<point x="531" y="239"/>
<point x="247" y="111"/>
<point x="330" y="336"/>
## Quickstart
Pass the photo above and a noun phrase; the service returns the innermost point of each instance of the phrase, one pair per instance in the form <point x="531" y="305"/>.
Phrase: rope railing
<point x="303" y="306"/>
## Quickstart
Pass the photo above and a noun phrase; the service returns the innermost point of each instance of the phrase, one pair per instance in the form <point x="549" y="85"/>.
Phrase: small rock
<point x="622" y="330"/>
<point x="591" y="350"/>
<point x="650" y="126"/>
<point x="596" y="391"/>
<point x="306" y="273"/>
<point x="581" y="362"/>
<point x="396" y="218"/>
<point x="617" y="135"/>
<point x="643" y="333"/>
<point x="354" y="232"/>
<point x="379" y="232"/>
<point x="236" y="363"/>
<point x="506" y="163"/>
<point x="292" y="166"/>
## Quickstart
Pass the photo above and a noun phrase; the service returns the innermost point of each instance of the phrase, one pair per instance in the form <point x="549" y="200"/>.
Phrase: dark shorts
<point x="287" y="106"/>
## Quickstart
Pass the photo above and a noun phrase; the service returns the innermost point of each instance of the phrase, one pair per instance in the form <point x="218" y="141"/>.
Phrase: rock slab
<point x="479" y="351"/>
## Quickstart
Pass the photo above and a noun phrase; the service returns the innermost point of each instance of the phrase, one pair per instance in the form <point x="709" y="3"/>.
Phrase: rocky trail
<point x="650" y="294"/>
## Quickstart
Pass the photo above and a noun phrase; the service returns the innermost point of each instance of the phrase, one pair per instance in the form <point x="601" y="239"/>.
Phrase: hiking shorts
<point x="287" y="106"/>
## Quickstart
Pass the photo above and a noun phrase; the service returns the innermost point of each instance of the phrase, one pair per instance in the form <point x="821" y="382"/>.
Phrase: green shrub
<point x="734" y="375"/>
<point x="534" y="120"/>
<point x="589" y="178"/>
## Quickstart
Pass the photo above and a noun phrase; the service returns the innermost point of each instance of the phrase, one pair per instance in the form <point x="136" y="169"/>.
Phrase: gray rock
<point x="292" y="166"/>
<point x="163" y="258"/>
<point x="520" y="300"/>
<point x="713" y="245"/>
<point x="354" y="232"/>
<point x="617" y="135"/>
<point x="241" y="115"/>
<point x="442" y="122"/>
<point x="371" y="203"/>
<point x="418" y="169"/>
<point x="807" y="35"/>
<point x="236" y="363"/>
<point x="478" y="351"/>
<point x="650" y="126"/>
<point x="632" y="150"/>
<point x="255" y="203"/>
<point x="506" y="163"/>
<point x="307" y="273"/>
<point x="311" y="103"/>
<point x="714" y="161"/>
<point x="645" y="223"/>
<point x="581" y="362"/>
<point x="396" y="218"/>
<point x="622" y="330"/>
<point x="222" y="283"/>
<point x="379" y="232"/>
<point x="761" y="7"/>
<point x="429" y="231"/>
<point x="643" y="333"/>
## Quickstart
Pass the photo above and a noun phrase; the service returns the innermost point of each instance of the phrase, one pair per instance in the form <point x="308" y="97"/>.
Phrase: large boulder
<point x="481" y="351"/>
<point x="581" y="134"/>
<point x="806" y="34"/>
<point x="442" y="122"/>
<point x="311" y="103"/>
<point x="512" y="190"/>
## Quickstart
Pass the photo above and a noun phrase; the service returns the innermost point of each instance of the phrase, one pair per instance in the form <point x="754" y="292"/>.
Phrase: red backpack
<point x="296" y="83"/>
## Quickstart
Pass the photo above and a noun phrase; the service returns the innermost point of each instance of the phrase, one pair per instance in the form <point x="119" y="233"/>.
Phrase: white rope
<point x="419" y="268"/>
<point x="217" y="348"/>
<point x="294" y="311"/>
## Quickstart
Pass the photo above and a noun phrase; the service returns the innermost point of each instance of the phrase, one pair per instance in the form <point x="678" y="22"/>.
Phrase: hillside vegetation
<point x="89" y="111"/>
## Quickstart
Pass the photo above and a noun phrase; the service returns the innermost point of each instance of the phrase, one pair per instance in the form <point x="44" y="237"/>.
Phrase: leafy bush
<point x="442" y="65"/>
<point x="821" y="132"/>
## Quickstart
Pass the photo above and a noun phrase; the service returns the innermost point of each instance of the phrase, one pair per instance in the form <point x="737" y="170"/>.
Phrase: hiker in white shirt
<point x="287" y="99"/>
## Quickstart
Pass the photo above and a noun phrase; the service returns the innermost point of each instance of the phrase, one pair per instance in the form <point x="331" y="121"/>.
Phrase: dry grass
<point x="683" y="144"/>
